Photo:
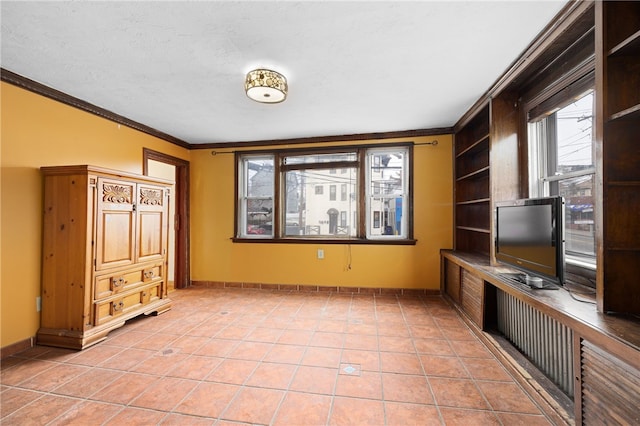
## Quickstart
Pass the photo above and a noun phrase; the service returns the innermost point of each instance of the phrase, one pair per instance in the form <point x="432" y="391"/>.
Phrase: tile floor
<point x="226" y="356"/>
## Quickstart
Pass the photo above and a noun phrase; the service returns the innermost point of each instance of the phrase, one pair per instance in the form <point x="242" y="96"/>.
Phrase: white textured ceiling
<point x="352" y="67"/>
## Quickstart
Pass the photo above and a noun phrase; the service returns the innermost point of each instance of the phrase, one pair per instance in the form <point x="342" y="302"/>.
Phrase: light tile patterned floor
<point x="225" y="356"/>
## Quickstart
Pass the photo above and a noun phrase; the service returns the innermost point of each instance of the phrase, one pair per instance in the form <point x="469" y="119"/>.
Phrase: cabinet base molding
<point x="70" y="339"/>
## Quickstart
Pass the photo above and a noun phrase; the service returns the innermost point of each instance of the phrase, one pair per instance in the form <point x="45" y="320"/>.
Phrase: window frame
<point x="540" y="157"/>
<point x="279" y="213"/>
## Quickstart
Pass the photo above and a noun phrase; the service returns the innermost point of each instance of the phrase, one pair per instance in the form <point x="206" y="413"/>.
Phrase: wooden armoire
<point x="104" y="252"/>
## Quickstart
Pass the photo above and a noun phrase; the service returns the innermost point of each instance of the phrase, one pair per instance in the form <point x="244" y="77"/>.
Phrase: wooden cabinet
<point x="591" y="360"/>
<point x="472" y="296"/>
<point x="466" y="289"/>
<point x="609" y="387"/>
<point x="104" y="254"/>
<point x="472" y="189"/>
<point x="452" y="283"/>
<point x="618" y="112"/>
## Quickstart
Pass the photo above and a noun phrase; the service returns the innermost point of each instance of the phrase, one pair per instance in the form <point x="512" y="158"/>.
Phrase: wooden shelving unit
<point x="472" y="186"/>
<point x="618" y="79"/>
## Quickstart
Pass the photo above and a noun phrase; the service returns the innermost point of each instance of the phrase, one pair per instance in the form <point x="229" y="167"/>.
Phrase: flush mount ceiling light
<point x="266" y="86"/>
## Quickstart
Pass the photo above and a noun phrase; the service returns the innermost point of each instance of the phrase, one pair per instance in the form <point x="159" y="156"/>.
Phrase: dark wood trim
<point x="325" y="149"/>
<point x="577" y="390"/>
<point x="320" y="240"/>
<point x="599" y="124"/>
<point x="619" y="334"/>
<point x="538" y="51"/>
<point x="302" y="288"/>
<point x="362" y="177"/>
<point x="17" y="347"/>
<point x="182" y="277"/>
<point x="236" y="189"/>
<point x="327" y="139"/>
<point x="561" y="93"/>
<point x="320" y="166"/>
<point x="410" y="234"/>
<point x="278" y="207"/>
<point x="48" y="92"/>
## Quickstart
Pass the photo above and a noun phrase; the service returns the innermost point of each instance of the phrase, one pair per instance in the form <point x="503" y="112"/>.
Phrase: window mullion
<point x="276" y="217"/>
<point x="362" y="194"/>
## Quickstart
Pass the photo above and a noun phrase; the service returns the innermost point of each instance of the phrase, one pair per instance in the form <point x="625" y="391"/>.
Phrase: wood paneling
<point x="472" y="296"/>
<point x="452" y="280"/>
<point x="618" y="155"/>
<point x="610" y="388"/>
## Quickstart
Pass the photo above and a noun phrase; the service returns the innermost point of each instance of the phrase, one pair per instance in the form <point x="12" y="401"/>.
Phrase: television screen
<point x="529" y="236"/>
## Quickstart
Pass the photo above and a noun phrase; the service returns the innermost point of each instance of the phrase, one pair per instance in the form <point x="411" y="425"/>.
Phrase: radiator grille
<point x="547" y="343"/>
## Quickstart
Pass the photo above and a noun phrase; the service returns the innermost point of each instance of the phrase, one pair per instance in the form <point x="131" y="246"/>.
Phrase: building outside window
<point x="332" y="192"/>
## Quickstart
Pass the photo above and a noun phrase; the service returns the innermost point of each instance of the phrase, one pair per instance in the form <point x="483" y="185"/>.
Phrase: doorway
<point x="161" y="165"/>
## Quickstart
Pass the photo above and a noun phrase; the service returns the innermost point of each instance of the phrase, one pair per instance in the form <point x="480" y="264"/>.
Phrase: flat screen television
<point x="529" y="236"/>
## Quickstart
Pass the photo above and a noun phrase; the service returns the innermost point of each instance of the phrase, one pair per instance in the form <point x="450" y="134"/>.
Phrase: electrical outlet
<point x="320" y="254"/>
<point x="38" y="304"/>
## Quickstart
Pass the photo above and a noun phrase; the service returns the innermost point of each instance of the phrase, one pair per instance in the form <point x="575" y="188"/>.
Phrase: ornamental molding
<point x="151" y="197"/>
<point x="116" y="194"/>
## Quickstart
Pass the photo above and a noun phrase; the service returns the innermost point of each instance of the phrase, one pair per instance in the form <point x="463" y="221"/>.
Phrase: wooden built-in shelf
<point x="624" y="183"/>
<point x="475" y="145"/>
<point x="472" y="184"/>
<point x="469" y="228"/>
<point x="478" y="201"/>
<point x="631" y="45"/>
<point x="476" y="173"/>
<point x="631" y="112"/>
<point x="618" y="26"/>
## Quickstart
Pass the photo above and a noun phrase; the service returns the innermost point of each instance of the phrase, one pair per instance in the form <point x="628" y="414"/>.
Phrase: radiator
<point x="544" y="341"/>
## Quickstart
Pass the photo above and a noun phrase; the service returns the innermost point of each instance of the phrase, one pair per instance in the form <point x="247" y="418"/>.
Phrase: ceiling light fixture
<point x="266" y="86"/>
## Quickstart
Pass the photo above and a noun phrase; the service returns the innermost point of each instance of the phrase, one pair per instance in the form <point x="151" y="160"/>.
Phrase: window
<point x="387" y="186"/>
<point x="374" y="194"/>
<point x="255" y="206"/>
<point x="561" y="145"/>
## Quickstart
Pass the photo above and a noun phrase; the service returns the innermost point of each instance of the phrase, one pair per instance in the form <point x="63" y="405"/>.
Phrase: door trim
<point x="182" y="277"/>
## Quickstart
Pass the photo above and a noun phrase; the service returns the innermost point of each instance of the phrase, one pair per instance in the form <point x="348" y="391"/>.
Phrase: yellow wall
<point x="216" y="258"/>
<point x="37" y="131"/>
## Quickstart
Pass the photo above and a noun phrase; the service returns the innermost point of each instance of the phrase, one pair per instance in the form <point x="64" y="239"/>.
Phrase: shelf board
<point x="473" y="145"/>
<point x="627" y="113"/>
<point x="628" y="46"/>
<point x="623" y="183"/>
<point x="472" y="229"/>
<point x="476" y="201"/>
<point x="475" y="173"/>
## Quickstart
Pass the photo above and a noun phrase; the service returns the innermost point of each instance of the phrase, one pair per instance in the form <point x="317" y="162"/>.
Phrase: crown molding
<point x="46" y="91"/>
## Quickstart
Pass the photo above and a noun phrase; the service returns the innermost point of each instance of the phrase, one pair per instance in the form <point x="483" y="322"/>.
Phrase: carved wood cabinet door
<point x="116" y="224"/>
<point x="152" y="216"/>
